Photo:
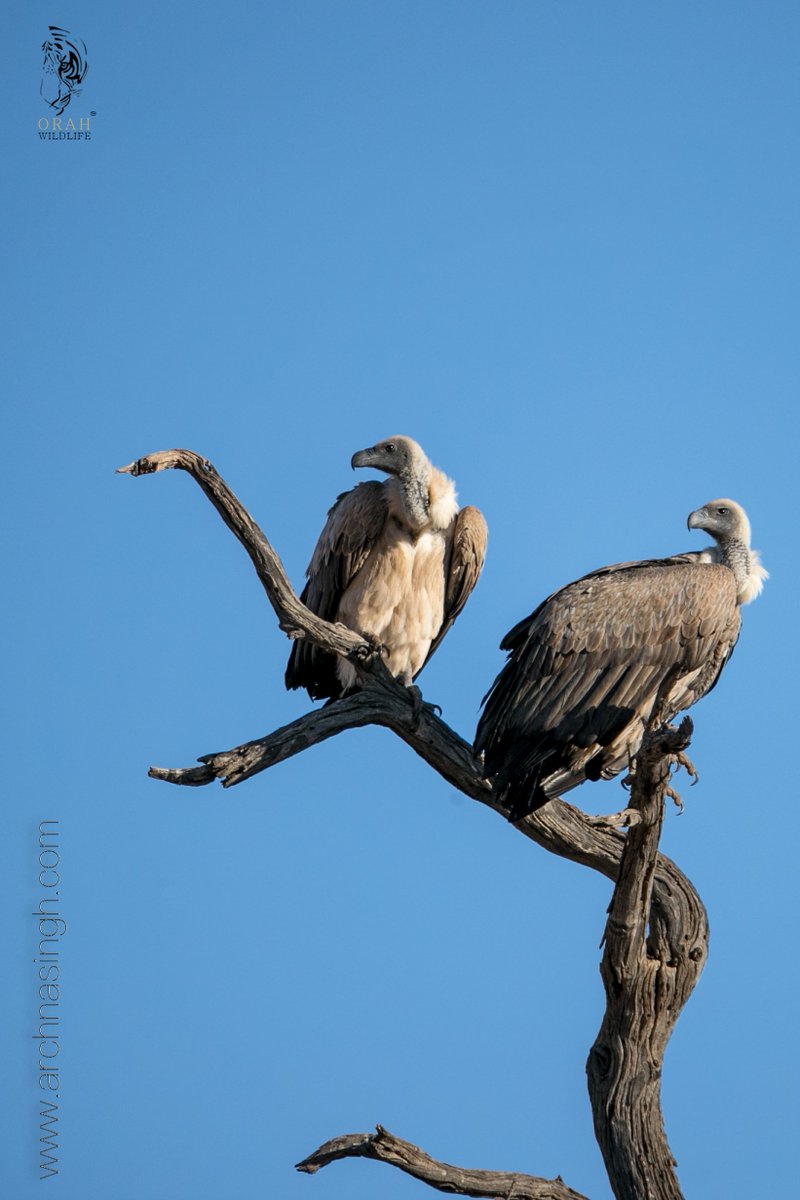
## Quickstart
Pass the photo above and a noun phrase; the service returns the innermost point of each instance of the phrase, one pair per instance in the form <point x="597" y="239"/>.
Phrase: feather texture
<point x="585" y="668"/>
<point x="396" y="561"/>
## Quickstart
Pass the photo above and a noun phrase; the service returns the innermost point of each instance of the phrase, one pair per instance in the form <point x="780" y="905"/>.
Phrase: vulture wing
<point x="464" y="558"/>
<point x="584" y="670"/>
<point x="353" y="526"/>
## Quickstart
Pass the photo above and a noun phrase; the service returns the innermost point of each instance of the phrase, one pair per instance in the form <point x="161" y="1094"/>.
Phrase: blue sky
<point x="558" y="245"/>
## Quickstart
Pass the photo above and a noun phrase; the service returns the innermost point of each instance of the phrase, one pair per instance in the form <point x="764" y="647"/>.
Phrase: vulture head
<point x="399" y="456"/>
<point x="723" y="519"/>
<point x="727" y="523"/>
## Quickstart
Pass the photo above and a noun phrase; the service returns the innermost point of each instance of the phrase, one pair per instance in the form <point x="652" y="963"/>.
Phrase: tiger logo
<point x="63" y="69"/>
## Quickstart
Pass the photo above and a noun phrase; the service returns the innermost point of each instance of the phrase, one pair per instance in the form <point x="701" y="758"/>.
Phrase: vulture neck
<point x="416" y="501"/>
<point x="735" y="554"/>
<point x="424" y="499"/>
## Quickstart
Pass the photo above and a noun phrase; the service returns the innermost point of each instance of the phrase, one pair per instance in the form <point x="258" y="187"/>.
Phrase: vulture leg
<point x="417" y="703"/>
<point x="415" y="696"/>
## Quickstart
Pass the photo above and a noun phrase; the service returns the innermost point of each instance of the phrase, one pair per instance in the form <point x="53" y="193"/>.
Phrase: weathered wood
<point x="293" y="617"/>
<point x="647" y="980"/>
<point x="384" y="702"/>
<point x="657" y="932"/>
<point x="385" y="1147"/>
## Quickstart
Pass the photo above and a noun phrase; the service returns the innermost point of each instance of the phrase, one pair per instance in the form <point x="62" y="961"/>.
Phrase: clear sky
<point x="557" y="243"/>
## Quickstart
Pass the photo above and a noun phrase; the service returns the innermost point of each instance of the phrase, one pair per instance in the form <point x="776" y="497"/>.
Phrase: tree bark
<point x="385" y="1147"/>
<point x="656" y="937"/>
<point x="646" y="985"/>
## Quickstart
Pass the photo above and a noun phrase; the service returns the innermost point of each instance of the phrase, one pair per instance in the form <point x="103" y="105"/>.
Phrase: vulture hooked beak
<point x="362" y="458"/>
<point x="391" y="456"/>
<point x="697" y="519"/>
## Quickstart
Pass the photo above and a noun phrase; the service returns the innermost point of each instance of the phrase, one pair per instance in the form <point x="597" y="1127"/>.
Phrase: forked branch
<point x="657" y="933"/>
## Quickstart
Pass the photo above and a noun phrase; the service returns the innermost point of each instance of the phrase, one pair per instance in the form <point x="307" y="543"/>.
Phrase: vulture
<point x="396" y="562"/>
<point x="585" y="668"/>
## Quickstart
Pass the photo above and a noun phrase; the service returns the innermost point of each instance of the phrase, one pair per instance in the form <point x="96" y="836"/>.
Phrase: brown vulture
<point x="396" y="561"/>
<point x="584" y="669"/>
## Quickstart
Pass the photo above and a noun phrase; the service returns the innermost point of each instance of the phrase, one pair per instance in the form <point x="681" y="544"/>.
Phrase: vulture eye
<point x="390" y="448"/>
<point x="723" y="512"/>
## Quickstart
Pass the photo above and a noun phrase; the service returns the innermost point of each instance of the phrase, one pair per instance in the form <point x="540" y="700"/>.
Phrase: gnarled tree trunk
<point x="656" y="936"/>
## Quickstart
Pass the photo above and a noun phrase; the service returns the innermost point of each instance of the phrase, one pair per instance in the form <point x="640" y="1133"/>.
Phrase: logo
<point x="64" y="68"/>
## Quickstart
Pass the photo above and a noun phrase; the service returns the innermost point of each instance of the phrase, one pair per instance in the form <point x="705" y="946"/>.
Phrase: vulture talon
<point x="675" y="798"/>
<point x="373" y="649"/>
<point x="681" y="760"/>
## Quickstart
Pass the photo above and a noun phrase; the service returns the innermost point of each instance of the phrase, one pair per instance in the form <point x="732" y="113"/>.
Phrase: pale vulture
<point x="396" y="561"/>
<point x="585" y="668"/>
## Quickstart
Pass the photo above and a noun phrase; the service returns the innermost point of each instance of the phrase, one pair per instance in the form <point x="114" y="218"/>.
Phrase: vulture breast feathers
<point x="396" y="561"/>
<point x="585" y="668"/>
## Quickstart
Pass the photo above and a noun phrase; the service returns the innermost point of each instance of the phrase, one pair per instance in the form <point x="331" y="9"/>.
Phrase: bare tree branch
<point x="385" y="1147"/>
<point x="657" y="932"/>
<point x="293" y="617"/>
<point x="383" y="701"/>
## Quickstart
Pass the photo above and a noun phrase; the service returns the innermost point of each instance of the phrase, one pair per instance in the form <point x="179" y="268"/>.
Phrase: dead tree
<point x="656" y="936"/>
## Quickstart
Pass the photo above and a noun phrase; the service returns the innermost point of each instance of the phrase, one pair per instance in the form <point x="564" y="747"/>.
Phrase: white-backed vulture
<point x="396" y="561"/>
<point x="584" y="670"/>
